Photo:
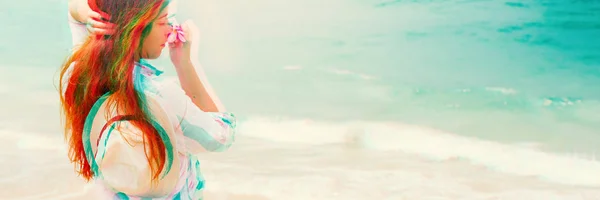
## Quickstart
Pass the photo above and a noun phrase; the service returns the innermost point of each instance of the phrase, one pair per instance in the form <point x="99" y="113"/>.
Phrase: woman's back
<point x="122" y="164"/>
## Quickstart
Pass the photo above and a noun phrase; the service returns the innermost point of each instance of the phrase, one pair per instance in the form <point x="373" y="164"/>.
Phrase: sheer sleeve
<point x="203" y="131"/>
<point x="78" y="31"/>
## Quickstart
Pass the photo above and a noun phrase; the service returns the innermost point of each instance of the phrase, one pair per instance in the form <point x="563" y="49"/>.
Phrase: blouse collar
<point x="147" y="69"/>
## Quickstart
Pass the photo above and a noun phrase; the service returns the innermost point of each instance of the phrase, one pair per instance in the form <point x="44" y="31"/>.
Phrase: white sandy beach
<point x="257" y="169"/>
<point x="299" y="159"/>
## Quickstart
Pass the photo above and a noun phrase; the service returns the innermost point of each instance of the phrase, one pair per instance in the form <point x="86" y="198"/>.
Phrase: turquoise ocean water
<point x="517" y="72"/>
<point x="522" y="74"/>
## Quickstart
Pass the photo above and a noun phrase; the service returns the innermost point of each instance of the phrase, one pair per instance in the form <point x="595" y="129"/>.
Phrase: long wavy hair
<point x="105" y="65"/>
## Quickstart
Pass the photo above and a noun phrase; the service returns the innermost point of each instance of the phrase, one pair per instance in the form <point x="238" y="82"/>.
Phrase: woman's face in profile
<point x="157" y="38"/>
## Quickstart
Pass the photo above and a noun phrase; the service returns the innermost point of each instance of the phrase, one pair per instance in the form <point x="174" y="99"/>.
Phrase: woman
<point x="127" y="129"/>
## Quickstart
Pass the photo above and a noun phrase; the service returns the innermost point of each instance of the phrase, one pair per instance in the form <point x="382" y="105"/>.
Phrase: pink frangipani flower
<point x="176" y="34"/>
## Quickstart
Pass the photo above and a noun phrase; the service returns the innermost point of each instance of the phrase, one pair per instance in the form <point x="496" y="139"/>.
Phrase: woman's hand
<point x="97" y="26"/>
<point x="96" y="22"/>
<point x="183" y="51"/>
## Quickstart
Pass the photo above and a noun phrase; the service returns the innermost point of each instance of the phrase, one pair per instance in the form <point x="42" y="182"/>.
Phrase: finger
<point x="173" y="44"/>
<point x="179" y="44"/>
<point x="104" y="16"/>
<point x="99" y="15"/>
<point x="104" y="31"/>
<point x="101" y="24"/>
<point x="95" y="15"/>
<point x="99" y="31"/>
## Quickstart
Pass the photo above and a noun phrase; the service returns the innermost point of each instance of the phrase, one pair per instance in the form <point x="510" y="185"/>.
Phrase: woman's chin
<point x="153" y="56"/>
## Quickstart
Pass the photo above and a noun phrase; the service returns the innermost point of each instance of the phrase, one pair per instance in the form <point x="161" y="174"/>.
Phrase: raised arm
<point x="201" y="116"/>
<point x="190" y="73"/>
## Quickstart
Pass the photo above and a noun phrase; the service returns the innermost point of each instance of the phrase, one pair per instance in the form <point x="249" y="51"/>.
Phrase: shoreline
<point x="261" y="170"/>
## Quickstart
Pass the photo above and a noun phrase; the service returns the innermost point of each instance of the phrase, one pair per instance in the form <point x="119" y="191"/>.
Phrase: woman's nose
<point x="168" y="30"/>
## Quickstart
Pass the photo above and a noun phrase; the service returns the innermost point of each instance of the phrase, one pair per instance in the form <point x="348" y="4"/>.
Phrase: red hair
<point x="105" y="65"/>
